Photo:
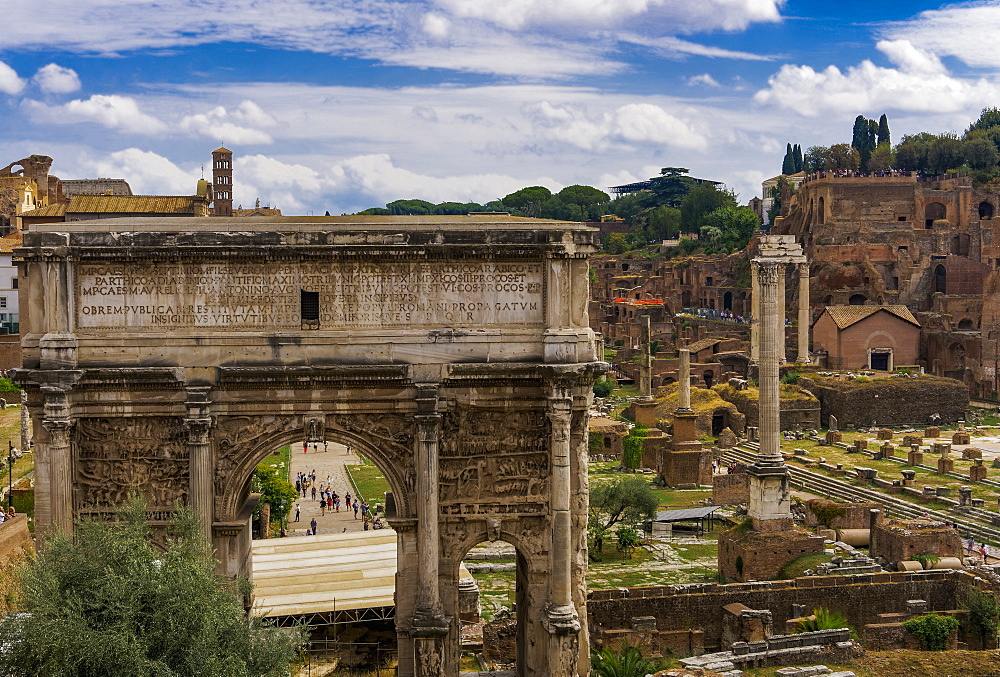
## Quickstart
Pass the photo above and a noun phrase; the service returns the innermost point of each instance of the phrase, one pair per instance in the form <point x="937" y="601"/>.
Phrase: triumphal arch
<point x="170" y="356"/>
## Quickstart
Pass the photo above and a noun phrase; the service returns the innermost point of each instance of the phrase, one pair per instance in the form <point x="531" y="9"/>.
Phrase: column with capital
<point x="429" y="624"/>
<point x="561" y="618"/>
<point x="58" y="465"/>
<point x="770" y="501"/>
<point x="201" y="460"/>
<point x="803" y="356"/>
<point x="754" y="313"/>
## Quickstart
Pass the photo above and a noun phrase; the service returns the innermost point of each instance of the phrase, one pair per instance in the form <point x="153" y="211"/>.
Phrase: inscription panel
<point x="351" y="295"/>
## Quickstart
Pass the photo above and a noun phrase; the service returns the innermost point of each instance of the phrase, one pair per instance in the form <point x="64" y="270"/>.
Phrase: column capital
<point x="768" y="271"/>
<point x="803" y="267"/>
<point x="58" y="429"/>
<point x="199" y="430"/>
<point x="560" y="410"/>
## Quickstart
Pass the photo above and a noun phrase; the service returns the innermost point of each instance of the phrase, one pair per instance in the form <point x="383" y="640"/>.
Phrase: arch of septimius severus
<point x="170" y="356"/>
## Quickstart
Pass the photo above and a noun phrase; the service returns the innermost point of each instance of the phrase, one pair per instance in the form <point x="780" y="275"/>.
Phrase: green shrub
<point x="632" y="448"/>
<point x="927" y="559"/>
<point x="595" y="443"/>
<point x="984" y="616"/>
<point x="825" y="512"/>
<point x="822" y="619"/>
<point x="628" y="539"/>
<point x="791" y="377"/>
<point x="932" y="630"/>
<point x="626" y="662"/>
<point x="603" y="388"/>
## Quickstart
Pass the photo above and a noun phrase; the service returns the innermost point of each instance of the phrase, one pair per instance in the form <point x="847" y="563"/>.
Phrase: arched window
<point x="940" y="279"/>
<point x="821" y="212"/>
<point x="966" y="325"/>
<point x="858" y="300"/>
<point x="985" y="210"/>
<point x="727" y="301"/>
<point x="932" y="212"/>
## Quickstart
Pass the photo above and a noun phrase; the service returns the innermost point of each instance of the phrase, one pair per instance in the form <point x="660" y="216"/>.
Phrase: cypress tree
<point x="797" y="152"/>
<point x="788" y="163"/>
<point x="883" y="131"/>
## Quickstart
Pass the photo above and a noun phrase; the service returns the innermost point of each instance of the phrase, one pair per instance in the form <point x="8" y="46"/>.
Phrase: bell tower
<point x="222" y="181"/>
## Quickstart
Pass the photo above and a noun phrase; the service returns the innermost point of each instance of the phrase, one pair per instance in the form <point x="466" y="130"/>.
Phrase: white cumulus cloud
<point x="146" y="172"/>
<point x="120" y="113"/>
<point x="964" y="30"/>
<point x="632" y="124"/>
<point x="241" y="125"/>
<point x="918" y="82"/>
<point x="10" y="83"/>
<point x="56" y="79"/>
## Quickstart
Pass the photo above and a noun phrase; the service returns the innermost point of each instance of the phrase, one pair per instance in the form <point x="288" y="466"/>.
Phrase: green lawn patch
<point x="798" y="566"/>
<point x="369" y="480"/>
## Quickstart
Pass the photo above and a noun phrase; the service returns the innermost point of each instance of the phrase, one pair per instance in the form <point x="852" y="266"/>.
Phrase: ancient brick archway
<point x="170" y="357"/>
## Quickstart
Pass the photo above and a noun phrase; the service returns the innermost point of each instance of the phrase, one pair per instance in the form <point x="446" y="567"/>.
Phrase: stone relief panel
<point x="391" y="435"/>
<point x="116" y="456"/>
<point x="238" y="437"/>
<point x="494" y="462"/>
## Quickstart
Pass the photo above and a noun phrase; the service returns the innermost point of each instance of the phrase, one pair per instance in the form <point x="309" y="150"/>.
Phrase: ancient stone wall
<point x="880" y="400"/>
<point x="861" y="599"/>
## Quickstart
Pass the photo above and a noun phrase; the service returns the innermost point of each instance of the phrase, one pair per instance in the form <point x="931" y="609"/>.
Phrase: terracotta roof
<point x="8" y="243"/>
<point x="222" y="149"/>
<point x="71" y="187"/>
<point x="52" y="210"/>
<point x="845" y="316"/>
<point x="131" y="204"/>
<point x="702" y="344"/>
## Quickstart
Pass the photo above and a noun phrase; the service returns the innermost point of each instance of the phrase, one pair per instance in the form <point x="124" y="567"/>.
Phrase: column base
<point x="561" y="619"/>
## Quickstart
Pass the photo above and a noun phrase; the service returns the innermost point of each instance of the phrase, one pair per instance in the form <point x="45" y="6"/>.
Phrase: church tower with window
<point x="222" y="182"/>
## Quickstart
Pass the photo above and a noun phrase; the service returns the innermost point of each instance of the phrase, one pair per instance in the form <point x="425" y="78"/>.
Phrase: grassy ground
<point x="890" y="470"/>
<point x="370" y="482"/>
<point x="281" y="459"/>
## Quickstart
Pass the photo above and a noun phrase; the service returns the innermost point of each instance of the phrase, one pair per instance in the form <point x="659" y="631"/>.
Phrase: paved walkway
<point x="329" y="467"/>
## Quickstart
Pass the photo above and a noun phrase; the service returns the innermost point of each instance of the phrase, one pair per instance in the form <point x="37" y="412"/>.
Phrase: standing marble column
<point x="803" y="356"/>
<point x="58" y="466"/>
<point x="201" y="461"/>
<point x="770" y="500"/>
<point x="772" y="333"/>
<point x="754" y="313"/>
<point x="782" y="314"/>
<point x="25" y="422"/>
<point x="684" y="381"/>
<point x="428" y="626"/>
<point x="645" y="359"/>
<point x="560" y="615"/>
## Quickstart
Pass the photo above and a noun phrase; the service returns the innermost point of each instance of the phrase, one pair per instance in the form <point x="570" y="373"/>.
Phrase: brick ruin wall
<point x="859" y="598"/>
<point x="879" y="400"/>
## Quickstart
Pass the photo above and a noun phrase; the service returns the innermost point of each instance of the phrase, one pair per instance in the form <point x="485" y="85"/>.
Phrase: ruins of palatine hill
<point x="922" y="247"/>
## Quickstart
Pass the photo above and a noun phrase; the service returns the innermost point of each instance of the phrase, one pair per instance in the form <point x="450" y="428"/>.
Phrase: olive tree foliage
<point x="107" y="602"/>
<point x="624" y="500"/>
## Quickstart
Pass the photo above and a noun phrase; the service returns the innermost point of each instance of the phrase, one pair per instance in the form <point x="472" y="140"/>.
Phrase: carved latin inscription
<point x="116" y="456"/>
<point x="352" y="295"/>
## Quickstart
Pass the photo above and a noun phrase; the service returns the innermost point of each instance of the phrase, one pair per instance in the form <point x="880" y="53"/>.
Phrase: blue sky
<point x="344" y="104"/>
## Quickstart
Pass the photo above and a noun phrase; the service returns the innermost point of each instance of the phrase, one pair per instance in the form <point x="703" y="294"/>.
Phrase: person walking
<point x="347" y="500"/>
<point x="356" y="506"/>
<point x="312" y="526"/>
<point x="322" y="507"/>
<point x="298" y="511"/>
